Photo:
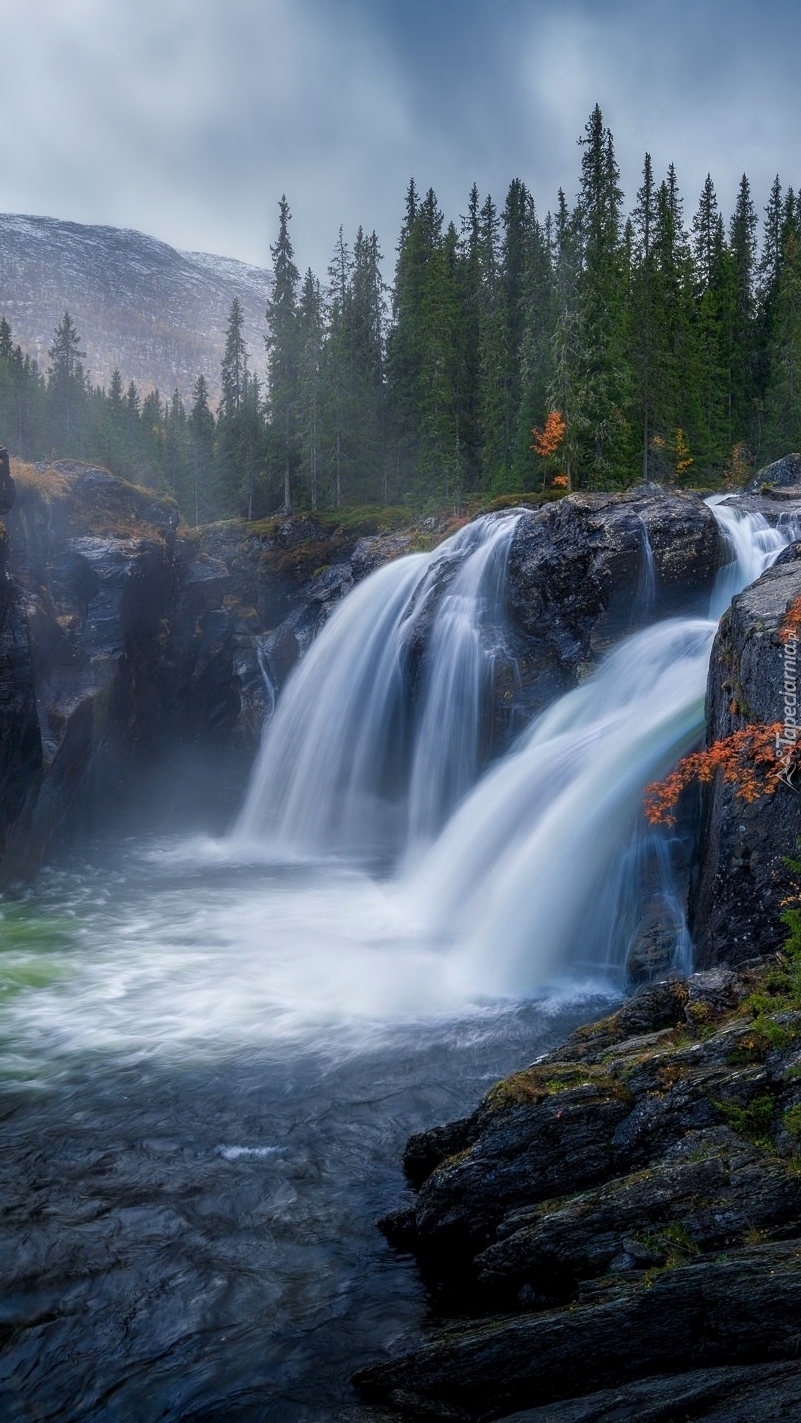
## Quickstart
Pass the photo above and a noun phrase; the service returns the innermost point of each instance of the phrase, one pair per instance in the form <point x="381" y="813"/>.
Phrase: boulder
<point x="784" y="473"/>
<point x="585" y="571"/>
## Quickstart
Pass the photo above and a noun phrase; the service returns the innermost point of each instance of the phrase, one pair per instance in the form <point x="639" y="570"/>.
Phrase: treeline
<point x="588" y="348"/>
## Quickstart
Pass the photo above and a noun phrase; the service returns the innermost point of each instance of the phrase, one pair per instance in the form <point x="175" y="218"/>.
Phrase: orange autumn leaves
<point x="745" y="759"/>
<point x="546" y="443"/>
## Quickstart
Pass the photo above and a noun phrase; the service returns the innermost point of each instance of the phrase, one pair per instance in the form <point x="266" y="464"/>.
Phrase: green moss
<point x="753" y="1121"/>
<point x="535" y="1084"/>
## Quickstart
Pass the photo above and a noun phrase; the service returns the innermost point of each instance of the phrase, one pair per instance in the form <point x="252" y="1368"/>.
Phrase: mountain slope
<point x="156" y="313"/>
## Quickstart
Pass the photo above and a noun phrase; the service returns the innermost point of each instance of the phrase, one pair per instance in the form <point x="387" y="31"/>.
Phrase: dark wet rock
<point x="581" y="573"/>
<point x="8" y="492"/>
<point x="635" y="1192"/>
<point x="534" y="1144"/>
<point x="741" y="877"/>
<point x="713" y="1312"/>
<point x="425" y="1150"/>
<point x="757" y="1393"/>
<point x="577" y="577"/>
<point x="20" y="737"/>
<point x="633" y="1223"/>
<point x="782" y="474"/>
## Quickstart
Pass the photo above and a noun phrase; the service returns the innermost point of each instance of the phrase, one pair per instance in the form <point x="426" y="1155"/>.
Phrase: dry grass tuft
<point x="39" y="482"/>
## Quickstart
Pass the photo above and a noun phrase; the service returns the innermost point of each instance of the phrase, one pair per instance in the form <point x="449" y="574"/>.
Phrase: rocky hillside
<point x="157" y="314"/>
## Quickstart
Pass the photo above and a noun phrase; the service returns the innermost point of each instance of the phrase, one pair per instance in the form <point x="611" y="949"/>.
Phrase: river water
<point x="209" y="1073"/>
<point x="212" y="1052"/>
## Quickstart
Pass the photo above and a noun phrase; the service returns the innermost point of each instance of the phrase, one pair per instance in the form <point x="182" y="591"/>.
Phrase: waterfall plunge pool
<point x="209" y="1071"/>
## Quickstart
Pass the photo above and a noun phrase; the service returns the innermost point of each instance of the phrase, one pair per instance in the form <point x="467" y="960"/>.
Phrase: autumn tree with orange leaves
<point x="546" y="443"/>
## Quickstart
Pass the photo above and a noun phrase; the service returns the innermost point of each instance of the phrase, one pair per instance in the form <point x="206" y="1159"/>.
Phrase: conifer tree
<point x="281" y="343"/>
<point x="201" y="440"/>
<point x="311" y="333"/>
<point x="741" y="311"/>
<point x="66" y="381"/>
<point x="602" y="378"/>
<point x="230" y="424"/>
<point x="709" y="260"/>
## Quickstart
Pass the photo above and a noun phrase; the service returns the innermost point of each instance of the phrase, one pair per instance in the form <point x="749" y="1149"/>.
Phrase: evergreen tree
<point x="645" y="302"/>
<point x="234" y="362"/>
<point x="201" y="442"/>
<point x="709" y="258"/>
<point x="231" y="423"/>
<point x="741" y="312"/>
<point x="311" y="332"/>
<point x="404" y="343"/>
<point x="281" y="343"/>
<point x="783" y="399"/>
<point x="602" y="378"/>
<point x="66" y="382"/>
<point x="337" y="372"/>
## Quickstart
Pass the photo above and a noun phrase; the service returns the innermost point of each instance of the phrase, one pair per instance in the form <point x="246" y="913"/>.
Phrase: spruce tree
<point x="201" y="443"/>
<point x="603" y="377"/>
<point x="281" y="342"/>
<point x="66" y="382"/>
<point x="311" y="333"/>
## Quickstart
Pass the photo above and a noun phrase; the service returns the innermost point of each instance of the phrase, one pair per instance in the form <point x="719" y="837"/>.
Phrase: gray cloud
<point x="188" y="118"/>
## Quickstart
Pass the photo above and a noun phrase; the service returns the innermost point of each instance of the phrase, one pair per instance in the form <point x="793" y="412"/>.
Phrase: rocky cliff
<point x="137" y="664"/>
<point x="742" y="879"/>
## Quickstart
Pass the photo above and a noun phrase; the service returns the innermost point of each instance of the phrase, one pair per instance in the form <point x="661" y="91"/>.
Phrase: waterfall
<point x="645" y="597"/>
<point x="549" y="866"/>
<point x="753" y="544"/>
<point x="528" y="868"/>
<point x="526" y="877"/>
<point x="373" y="742"/>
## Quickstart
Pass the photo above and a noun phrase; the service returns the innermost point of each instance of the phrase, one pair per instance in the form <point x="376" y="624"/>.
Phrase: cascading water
<point x="351" y="764"/>
<point x="545" y="866"/>
<point x="753" y="543"/>
<point x="644" y="599"/>
<point x="526" y="875"/>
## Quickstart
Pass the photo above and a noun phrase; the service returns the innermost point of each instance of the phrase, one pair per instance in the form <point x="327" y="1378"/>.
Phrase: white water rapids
<point x="388" y="865"/>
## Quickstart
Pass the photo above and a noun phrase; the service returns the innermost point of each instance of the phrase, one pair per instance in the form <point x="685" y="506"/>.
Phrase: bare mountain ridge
<point x="157" y="314"/>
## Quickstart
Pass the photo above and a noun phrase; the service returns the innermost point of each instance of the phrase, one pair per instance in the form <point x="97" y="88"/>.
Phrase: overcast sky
<point x="187" y="119"/>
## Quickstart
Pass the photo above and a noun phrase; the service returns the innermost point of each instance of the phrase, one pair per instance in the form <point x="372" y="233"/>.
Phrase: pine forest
<point x="588" y="348"/>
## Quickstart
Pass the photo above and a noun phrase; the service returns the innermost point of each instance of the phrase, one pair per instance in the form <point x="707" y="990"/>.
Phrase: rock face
<point x="580" y="1214"/>
<point x="741" y="878"/>
<point x="136" y="666"/>
<point x="20" y="741"/>
<point x="587" y="570"/>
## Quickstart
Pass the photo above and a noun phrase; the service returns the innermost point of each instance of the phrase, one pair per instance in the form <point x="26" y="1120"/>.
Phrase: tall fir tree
<point x="311" y="335"/>
<point x="66" y="383"/>
<point x="282" y="347"/>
